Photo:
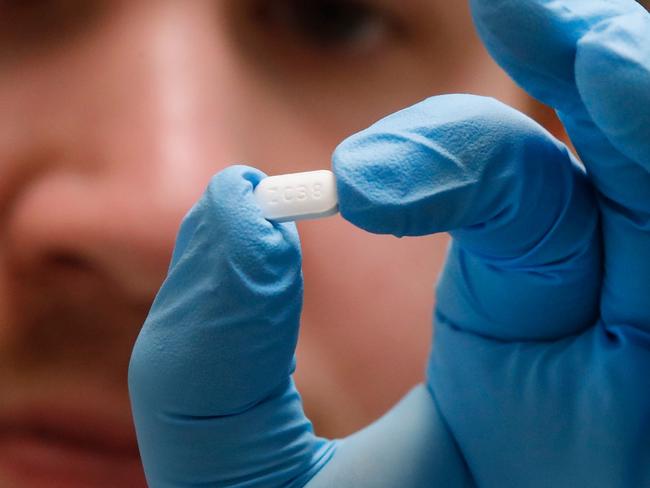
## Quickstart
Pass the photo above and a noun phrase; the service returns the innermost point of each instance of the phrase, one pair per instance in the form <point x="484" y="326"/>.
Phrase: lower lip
<point x="32" y="462"/>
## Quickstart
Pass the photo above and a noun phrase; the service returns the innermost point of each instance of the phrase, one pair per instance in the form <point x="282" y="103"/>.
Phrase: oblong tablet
<point x="298" y="196"/>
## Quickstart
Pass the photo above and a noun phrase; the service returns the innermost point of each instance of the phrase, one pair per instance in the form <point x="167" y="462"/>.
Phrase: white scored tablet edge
<point x="297" y="196"/>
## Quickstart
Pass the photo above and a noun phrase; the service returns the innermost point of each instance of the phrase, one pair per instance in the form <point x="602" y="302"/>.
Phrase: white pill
<point x="298" y="196"/>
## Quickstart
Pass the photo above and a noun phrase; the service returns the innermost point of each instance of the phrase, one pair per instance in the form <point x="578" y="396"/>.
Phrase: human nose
<point x="141" y="136"/>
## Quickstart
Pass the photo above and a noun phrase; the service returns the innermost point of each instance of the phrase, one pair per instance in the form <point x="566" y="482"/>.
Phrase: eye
<point x="325" y="24"/>
<point x="39" y="23"/>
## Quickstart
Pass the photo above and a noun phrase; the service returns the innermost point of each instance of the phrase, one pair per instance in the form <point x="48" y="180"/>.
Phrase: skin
<point x="114" y="116"/>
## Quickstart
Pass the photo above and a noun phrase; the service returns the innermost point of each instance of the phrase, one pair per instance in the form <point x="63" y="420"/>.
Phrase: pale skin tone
<point x="112" y="123"/>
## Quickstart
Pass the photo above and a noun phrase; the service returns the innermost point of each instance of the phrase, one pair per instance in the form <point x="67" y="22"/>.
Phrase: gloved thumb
<point x="209" y="377"/>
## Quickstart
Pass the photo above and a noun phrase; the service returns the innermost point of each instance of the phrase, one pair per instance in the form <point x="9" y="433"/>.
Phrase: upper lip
<point x="72" y="427"/>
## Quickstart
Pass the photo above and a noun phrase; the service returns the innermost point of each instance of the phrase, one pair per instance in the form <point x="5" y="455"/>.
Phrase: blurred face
<point x="113" y="117"/>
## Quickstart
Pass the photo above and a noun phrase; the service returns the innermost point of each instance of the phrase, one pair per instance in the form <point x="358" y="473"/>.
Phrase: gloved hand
<point x="538" y="375"/>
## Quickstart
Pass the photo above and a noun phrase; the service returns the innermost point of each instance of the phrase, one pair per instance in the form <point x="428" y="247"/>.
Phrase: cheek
<point x="367" y="320"/>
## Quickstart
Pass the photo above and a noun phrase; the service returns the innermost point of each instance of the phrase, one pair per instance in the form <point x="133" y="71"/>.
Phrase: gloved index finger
<point x="522" y="215"/>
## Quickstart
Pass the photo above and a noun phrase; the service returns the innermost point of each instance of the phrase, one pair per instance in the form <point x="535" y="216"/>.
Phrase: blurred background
<point x="113" y="117"/>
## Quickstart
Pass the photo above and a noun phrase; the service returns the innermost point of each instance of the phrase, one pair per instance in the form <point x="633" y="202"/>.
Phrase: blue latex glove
<point x="538" y="370"/>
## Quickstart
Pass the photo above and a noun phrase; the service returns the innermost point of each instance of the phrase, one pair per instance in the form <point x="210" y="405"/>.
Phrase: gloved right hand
<point x="538" y="371"/>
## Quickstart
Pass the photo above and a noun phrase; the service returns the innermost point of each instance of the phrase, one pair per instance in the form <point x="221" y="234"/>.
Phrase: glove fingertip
<point x="524" y="38"/>
<point x="238" y="218"/>
<point x="613" y="77"/>
<point x="357" y="185"/>
<point x="535" y="41"/>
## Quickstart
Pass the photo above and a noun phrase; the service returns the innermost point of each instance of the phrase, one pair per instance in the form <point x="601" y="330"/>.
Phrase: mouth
<point x="51" y="447"/>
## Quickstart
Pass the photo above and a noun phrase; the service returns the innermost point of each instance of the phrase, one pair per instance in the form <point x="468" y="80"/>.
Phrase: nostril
<point x="68" y="273"/>
<point x="64" y="259"/>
